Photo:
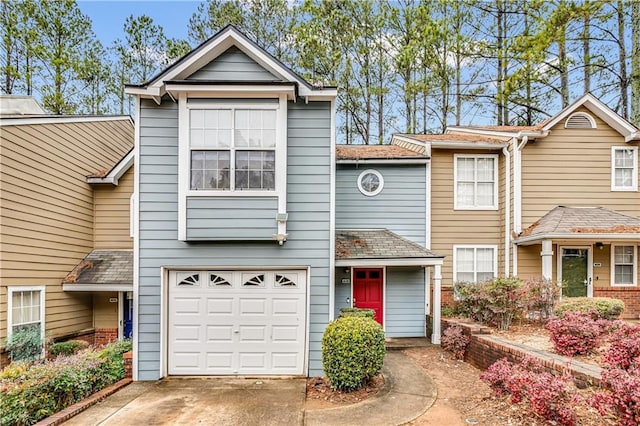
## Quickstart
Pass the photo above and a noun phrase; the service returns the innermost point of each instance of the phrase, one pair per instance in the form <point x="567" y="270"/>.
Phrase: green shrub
<point x="25" y="344"/>
<point x="447" y="311"/>
<point x="496" y="302"/>
<point x="353" y="350"/>
<point x="604" y="307"/>
<point x="357" y="312"/>
<point x="29" y="393"/>
<point x="67" y="348"/>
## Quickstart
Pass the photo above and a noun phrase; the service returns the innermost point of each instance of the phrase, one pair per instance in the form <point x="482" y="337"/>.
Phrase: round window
<point x="370" y="182"/>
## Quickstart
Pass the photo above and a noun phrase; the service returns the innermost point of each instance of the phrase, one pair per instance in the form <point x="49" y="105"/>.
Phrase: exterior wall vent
<point x="580" y="120"/>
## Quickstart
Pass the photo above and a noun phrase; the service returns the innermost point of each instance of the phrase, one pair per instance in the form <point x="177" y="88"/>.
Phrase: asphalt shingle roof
<point x="583" y="220"/>
<point x="456" y="137"/>
<point x="377" y="244"/>
<point x="364" y="152"/>
<point x="103" y="267"/>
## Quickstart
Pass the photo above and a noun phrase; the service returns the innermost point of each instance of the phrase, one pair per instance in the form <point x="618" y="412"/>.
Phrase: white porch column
<point x="427" y="291"/>
<point x="435" y="308"/>
<point x="547" y="259"/>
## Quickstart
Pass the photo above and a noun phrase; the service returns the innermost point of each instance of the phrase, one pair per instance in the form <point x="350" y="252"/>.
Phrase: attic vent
<point x="580" y="120"/>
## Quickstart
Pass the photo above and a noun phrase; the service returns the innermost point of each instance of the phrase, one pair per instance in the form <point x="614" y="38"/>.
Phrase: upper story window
<point x="624" y="168"/>
<point x="26" y="309"/>
<point x="232" y="149"/>
<point x="624" y="268"/>
<point x="476" y="182"/>
<point x="474" y="264"/>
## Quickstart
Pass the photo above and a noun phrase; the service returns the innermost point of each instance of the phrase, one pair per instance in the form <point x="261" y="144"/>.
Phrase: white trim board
<point x="26" y="121"/>
<point x="17" y="289"/>
<point x="613" y="265"/>
<point x="117" y="171"/>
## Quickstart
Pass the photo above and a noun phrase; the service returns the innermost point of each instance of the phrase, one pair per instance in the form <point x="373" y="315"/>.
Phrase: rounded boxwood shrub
<point x="357" y="312"/>
<point x="604" y="307"/>
<point x="67" y="348"/>
<point x="352" y="352"/>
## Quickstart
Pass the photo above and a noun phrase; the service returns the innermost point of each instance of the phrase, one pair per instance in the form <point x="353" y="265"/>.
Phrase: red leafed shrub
<point x="545" y="394"/>
<point x="576" y="333"/>
<point x="497" y="375"/>
<point x="624" y="349"/>
<point x="620" y="394"/>
<point x="455" y="341"/>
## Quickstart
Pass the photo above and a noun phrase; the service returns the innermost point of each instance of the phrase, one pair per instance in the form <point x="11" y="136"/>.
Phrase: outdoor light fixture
<point x="600" y="245"/>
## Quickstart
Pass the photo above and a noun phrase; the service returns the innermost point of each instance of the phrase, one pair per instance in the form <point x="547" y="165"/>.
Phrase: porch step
<point x="401" y="343"/>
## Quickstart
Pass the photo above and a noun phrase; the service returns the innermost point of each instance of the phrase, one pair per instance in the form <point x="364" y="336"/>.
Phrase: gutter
<point x="507" y="209"/>
<point x="575" y="236"/>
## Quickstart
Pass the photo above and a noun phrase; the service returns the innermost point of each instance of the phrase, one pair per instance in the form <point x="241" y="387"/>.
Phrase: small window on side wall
<point x="26" y="309"/>
<point x="624" y="168"/>
<point x="370" y="182"/>
<point x="474" y="264"/>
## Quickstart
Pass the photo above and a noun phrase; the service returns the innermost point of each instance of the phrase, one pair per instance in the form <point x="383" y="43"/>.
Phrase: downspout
<point x="517" y="194"/>
<point x="507" y="209"/>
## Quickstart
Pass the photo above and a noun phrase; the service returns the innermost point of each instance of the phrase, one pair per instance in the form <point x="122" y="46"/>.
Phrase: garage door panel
<point x="242" y="322"/>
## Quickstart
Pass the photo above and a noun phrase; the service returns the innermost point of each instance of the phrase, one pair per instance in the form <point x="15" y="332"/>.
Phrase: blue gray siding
<point x="231" y="218"/>
<point x="400" y="207"/>
<point x="308" y="204"/>
<point x="233" y="65"/>
<point x="343" y="291"/>
<point x="405" y="315"/>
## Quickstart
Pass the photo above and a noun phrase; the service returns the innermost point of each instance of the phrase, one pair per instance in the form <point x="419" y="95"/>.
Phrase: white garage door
<point x="237" y="322"/>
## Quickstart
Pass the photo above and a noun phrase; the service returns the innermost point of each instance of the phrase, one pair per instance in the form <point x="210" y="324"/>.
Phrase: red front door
<point x="367" y="290"/>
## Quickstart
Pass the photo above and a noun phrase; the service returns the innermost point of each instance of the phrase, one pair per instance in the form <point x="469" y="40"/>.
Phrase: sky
<point x="108" y="16"/>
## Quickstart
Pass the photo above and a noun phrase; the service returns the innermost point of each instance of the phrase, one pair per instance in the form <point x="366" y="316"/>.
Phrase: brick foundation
<point x="485" y="349"/>
<point x="105" y="335"/>
<point x="629" y="295"/>
<point x="128" y="365"/>
<point x="4" y="358"/>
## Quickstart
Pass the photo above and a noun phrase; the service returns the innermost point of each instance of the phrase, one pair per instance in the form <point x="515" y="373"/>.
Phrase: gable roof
<point x="582" y="222"/>
<point x="212" y="48"/>
<point x="588" y="101"/>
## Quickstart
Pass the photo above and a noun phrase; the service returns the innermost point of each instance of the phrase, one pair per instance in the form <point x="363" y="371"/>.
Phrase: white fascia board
<point x="254" y="91"/>
<point x="408" y="139"/>
<point x="469" y="145"/>
<point x="26" y="121"/>
<point x="146" y="92"/>
<point x="97" y="287"/>
<point x="116" y="173"/>
<point x="385" y="161"/>
<point x="532" y="239"/>
<point x="632" y="137"/>
<point x="325" y="95"/>
<point x="425" y="261"/>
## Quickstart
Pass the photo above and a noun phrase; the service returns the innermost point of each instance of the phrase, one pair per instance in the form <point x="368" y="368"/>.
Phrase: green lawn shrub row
<point x="30" y="392"/>
<point x="604" y="307"/>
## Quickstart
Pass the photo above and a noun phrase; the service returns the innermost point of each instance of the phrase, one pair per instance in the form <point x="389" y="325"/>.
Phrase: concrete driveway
<point x="190" y="401"/>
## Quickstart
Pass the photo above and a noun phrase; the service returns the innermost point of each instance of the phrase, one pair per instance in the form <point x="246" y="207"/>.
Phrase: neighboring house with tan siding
<point x="51" y="217"/>
<point x="568" y="209"/>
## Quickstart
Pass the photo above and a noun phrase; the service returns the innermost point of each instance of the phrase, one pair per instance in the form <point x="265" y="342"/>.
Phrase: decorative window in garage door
<point x="252" y="280"/>
<point x="284" y="281"/>
<point x="188" y="279"/>
<point x="219" y="280"/>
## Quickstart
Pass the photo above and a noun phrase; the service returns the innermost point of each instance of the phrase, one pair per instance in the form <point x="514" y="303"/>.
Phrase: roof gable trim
<point x="116" y="172"/>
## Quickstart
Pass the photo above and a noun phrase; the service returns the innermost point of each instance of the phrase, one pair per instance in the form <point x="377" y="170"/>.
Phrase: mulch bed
<point x="320" y="394"/>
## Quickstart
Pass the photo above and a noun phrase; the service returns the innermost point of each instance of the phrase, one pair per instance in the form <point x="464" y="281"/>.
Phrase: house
<point x="52" y="216"/>
<point x="559" y="200"/>
<point x="252" y="229"/>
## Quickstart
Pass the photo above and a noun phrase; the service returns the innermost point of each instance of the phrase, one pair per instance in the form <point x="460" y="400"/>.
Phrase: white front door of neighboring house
<point x="575" y="270"/>
<point x="237" y="322"/>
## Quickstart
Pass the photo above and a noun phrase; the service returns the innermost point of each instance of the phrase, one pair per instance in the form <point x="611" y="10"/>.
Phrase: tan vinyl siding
<point x="451" y="227"/>
<point x="112" y="220"/>
<point x="105" y="312"/>
<point x="46" y="210"/>
<point x="572" y="167"/>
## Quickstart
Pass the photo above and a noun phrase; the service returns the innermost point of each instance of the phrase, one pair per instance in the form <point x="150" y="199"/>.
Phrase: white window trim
<point x="17" y="289"/>
<point x="370" y="193"/>
<point x="495" y="181"/>
<point x="634" y="181"/>
<point x="184" y="159"/>
<point x="613" y="265"/>
<point x="583" y="114"/>
<point x="475" y="270"/>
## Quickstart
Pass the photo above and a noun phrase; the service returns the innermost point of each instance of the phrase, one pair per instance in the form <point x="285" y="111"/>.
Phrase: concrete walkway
<point x="407" y="394"/>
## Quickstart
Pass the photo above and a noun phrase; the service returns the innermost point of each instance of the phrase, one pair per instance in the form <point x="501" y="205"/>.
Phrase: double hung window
<point x="476" y="182"/>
